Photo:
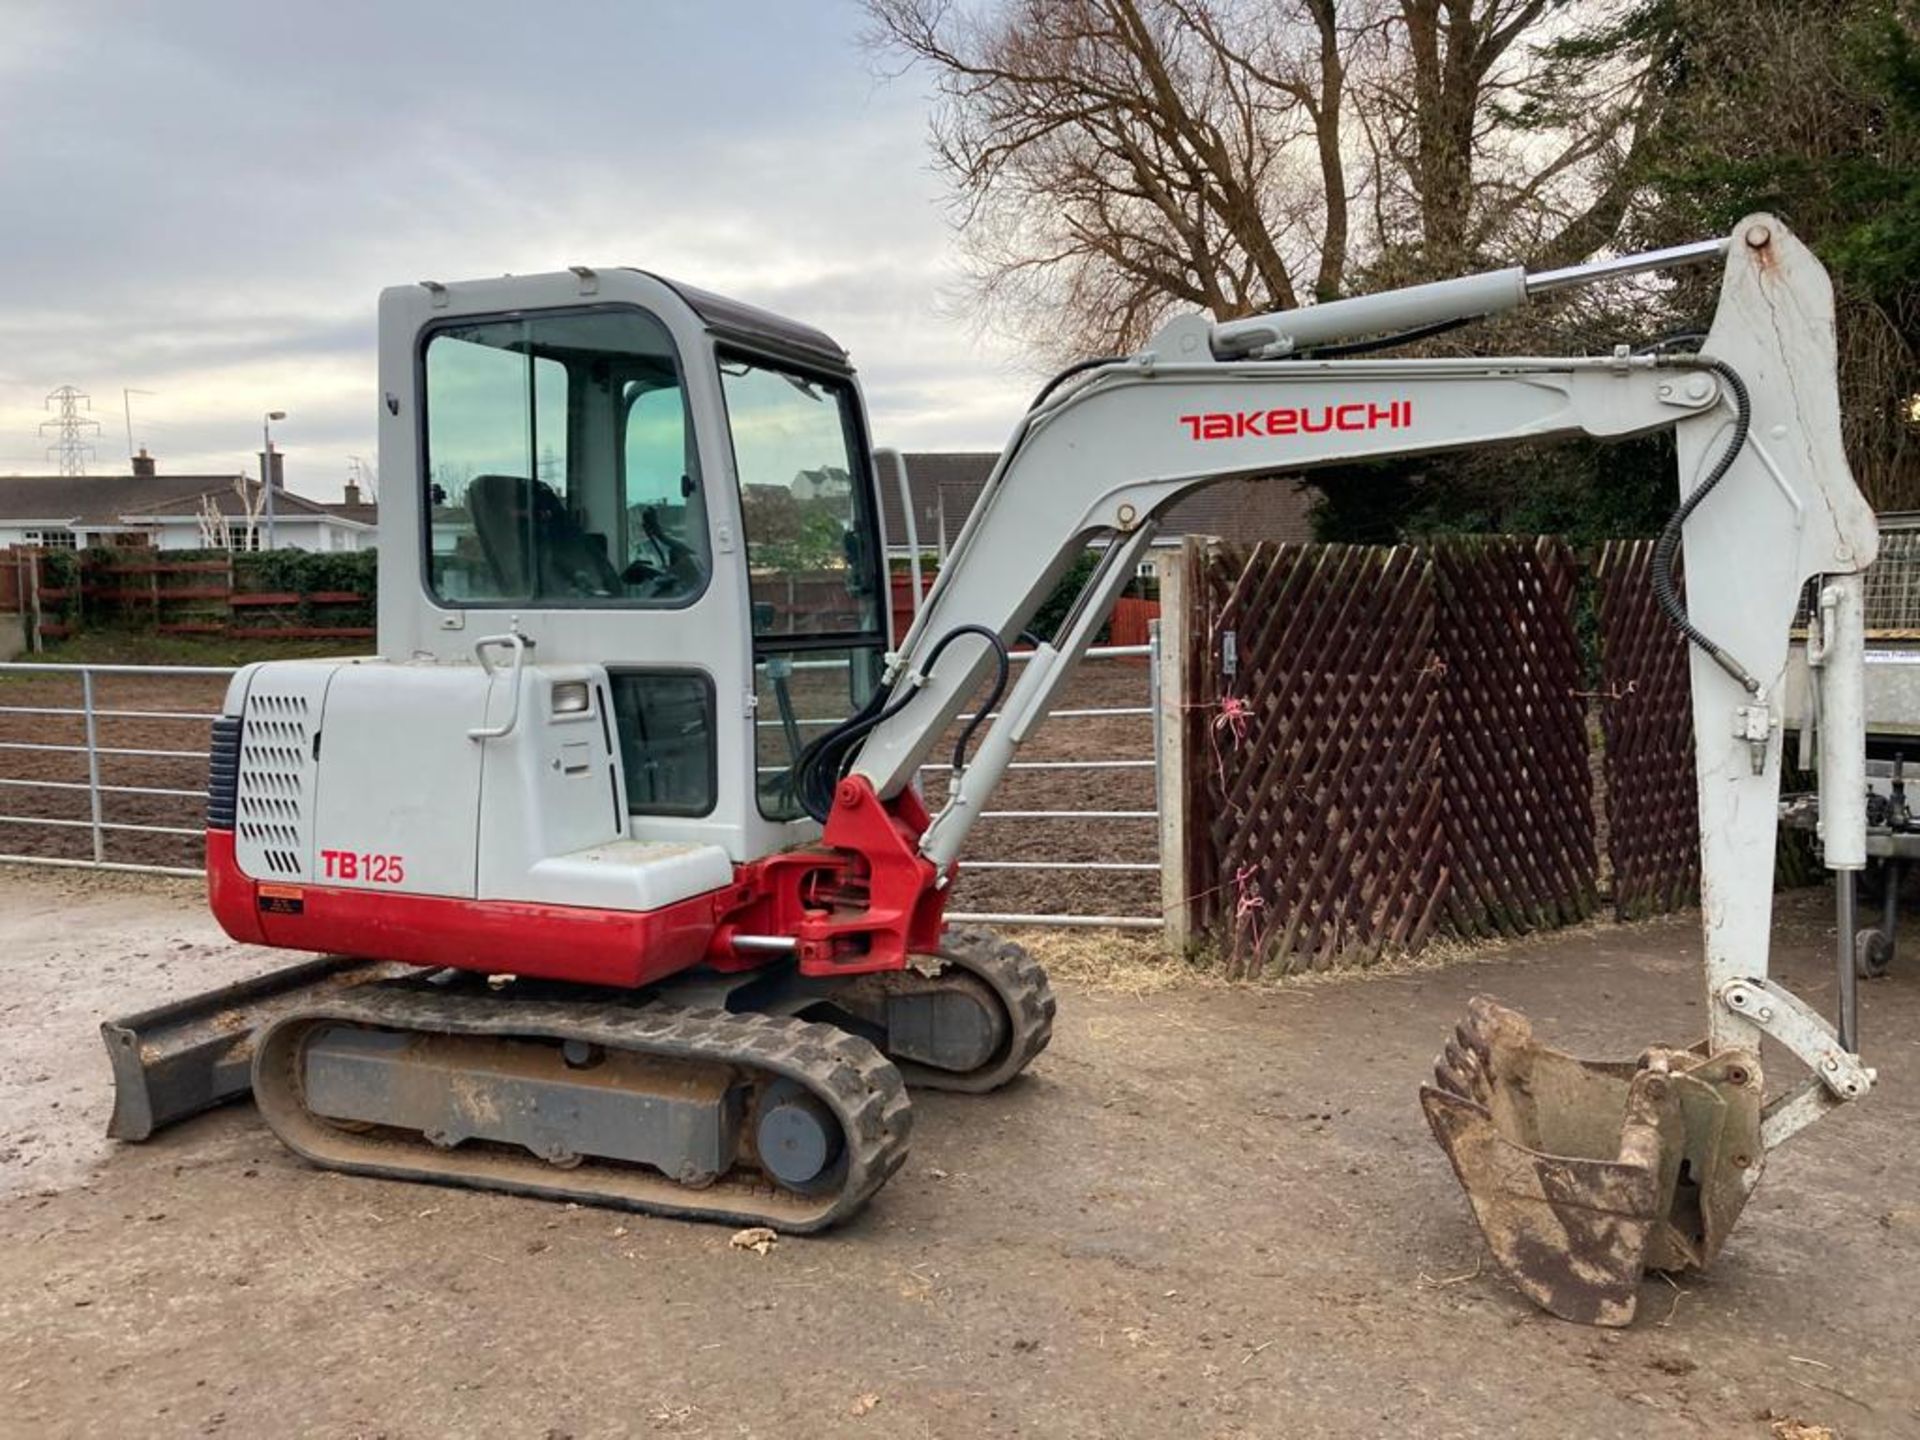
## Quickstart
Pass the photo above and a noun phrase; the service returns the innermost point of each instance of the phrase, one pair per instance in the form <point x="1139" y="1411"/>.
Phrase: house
<point x="945" y="485"/>
<point x="355" y="506"/>
<point x="145" y="509"/>
<point x="829" y="482"/>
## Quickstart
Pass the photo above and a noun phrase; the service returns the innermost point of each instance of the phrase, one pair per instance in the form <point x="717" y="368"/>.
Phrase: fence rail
<point x="1149" y="762"/>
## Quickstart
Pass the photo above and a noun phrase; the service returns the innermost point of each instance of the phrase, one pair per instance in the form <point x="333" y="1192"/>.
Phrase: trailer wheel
<point x="1872" y="953"/>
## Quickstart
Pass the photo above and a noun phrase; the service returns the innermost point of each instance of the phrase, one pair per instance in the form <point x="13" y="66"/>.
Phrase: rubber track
<point x="1020" y="982"/>
<point x="863" y="1090"/>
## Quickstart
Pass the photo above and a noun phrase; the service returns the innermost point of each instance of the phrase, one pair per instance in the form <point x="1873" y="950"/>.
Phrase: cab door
<point x="815" y="571"/>
<point x="569" y="511"/>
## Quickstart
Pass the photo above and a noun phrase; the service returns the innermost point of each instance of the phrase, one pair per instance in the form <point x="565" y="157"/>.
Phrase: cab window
<point x="665" y="722"/>
<point x="813" y="561"/>
<point x="560" y="463"/>
<point x="805" y="501"/>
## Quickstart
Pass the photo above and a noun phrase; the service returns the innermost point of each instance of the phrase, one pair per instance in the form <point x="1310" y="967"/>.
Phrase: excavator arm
<point x="1581" y="1181"/>
<point x="1206" y="402"/>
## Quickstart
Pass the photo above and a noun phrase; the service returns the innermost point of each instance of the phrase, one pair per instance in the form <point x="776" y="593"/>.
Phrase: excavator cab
<point x="641" y="477"/>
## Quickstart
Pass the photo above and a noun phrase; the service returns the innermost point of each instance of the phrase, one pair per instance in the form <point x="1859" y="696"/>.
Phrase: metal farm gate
<point x="105" y="766"/>
<point x="96" y="770"/>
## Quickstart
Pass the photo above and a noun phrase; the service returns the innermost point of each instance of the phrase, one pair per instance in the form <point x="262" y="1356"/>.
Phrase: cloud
<point x="211" y="195"/>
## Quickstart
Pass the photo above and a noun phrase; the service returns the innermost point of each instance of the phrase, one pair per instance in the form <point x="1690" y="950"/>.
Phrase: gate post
<point x="1169" y="743"/>
<point x="30" y="567"/>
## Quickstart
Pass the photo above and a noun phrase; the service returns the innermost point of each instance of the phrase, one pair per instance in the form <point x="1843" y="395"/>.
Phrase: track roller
<point x="1017" y="983"/>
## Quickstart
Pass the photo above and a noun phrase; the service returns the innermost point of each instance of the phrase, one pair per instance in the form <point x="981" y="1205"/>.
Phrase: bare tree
<point x="217" y="528"/>
<point x="1115" y="159"/>
<point x="1505" y="136"/>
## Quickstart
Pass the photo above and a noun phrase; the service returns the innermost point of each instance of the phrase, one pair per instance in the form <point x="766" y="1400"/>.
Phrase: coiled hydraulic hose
<point x="994" y="696"/>
<point x="1667" y="548"/>
<point x="823" y="764"/>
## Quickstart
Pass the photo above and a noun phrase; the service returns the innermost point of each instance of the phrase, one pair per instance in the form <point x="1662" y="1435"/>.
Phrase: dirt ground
<point x="1208" y="1211"/>
<point x="1100" y="684"/>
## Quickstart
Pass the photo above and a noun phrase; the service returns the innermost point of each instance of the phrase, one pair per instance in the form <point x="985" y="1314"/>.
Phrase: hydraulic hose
<point x="823" y="764"/>
<point x="1667" y="548"/>
<point x="817" y="770"/>
<point x="1079" y="367"/>
<point x="1385" y="342"/>
<point x="994" y="696"/>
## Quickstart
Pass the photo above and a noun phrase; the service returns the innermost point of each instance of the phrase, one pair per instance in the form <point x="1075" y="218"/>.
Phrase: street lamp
<point x="266" y="464"/>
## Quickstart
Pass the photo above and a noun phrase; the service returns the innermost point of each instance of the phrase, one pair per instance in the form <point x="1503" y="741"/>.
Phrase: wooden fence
<point x="1393" y="743"/>
<point x="1315" y="740"/>
<point x="65" y="591"/>
<point x="1646" y="720"/>
<point x="1132" y="622"/>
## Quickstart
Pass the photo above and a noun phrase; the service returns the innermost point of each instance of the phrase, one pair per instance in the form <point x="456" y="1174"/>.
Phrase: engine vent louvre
<point x="273" y="810"/>
<point x="223" y="778"/>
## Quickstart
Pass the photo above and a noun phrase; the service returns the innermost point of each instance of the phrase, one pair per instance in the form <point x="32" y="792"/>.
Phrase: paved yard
<point x="1208" y="1212"/>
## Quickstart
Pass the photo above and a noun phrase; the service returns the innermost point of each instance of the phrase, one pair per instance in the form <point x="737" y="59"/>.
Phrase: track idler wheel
<point x="1586" y="1174"/>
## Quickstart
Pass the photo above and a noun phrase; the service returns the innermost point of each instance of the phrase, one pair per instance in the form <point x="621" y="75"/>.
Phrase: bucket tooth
<point x="1585" y="1174"/>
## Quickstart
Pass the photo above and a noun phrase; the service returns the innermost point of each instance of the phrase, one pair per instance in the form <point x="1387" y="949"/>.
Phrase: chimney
<point x="279" y="467"/>
<point x="353" y="492"/>
<point x="142" y="463"/>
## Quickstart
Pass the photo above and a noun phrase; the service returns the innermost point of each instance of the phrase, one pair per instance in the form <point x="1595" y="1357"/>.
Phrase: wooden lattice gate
<point x="1391" y="741"/>
<point x="1646" y="716"/>
<point x="1517" y="777"/>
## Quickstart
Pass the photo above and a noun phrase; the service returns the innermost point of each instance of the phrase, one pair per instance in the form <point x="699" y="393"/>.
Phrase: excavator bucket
<point x="1586" y="1174"/>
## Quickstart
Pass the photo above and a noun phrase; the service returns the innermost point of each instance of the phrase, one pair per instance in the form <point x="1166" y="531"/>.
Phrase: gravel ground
<point x="1209" y="1211"/>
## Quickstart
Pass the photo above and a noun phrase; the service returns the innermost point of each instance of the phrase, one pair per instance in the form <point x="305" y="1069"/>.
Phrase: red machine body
<point x="861" y="902"/>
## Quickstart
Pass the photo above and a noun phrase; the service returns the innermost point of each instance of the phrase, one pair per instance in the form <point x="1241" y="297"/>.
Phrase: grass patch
<point x="1122" y="960"/>
<point x="1132" y="963"/>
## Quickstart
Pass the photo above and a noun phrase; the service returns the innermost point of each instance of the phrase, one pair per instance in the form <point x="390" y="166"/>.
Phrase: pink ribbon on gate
<point x="1235" y="715"/>
<point x="1247" y="905"/>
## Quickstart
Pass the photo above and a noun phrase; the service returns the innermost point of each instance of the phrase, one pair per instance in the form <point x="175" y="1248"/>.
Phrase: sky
<point x="202" y="200"/>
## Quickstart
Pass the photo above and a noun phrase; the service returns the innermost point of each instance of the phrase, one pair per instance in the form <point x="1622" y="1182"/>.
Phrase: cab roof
<point x="759" y="329"/>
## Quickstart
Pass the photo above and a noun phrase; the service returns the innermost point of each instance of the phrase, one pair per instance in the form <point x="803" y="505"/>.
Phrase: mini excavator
<point x="616" y="851"/>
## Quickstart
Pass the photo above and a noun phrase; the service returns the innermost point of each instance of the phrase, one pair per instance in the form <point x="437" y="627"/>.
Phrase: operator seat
<point x="533" y="546"/>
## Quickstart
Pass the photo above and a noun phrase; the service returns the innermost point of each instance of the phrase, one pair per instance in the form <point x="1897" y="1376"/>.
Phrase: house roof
<point x="1237" y="510"/>
<point x="111" y="499"/>
<point x="939" y="480"/>
<point x="1244" y="511"/>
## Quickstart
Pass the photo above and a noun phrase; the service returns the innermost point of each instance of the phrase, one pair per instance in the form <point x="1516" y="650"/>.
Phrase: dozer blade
<point x="176" y="1060"/>
<point x="1586" y="1174"/>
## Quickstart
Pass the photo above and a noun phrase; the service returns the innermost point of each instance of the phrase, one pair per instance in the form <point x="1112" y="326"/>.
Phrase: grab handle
<point x="520" y="645"/>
